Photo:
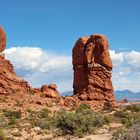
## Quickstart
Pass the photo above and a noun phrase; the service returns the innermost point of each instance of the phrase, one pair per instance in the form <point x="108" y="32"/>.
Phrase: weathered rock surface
<point x="10" y="83"/>
<point x="2" y="40"/>
<point x="50" y="91"/>
<point x="92" y="67"/>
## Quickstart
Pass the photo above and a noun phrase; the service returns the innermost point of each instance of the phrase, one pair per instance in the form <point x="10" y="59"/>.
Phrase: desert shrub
<point x="9" y="113"/>
<point x="136" y="119"/>
<point x="12" y="116"/>
<point x="124" y="117"/>
<point x="133" y="133"/>
<point x="78" y="123"/>
<point x="33" y="118"/>
<point x="121" y="114"/>
<point x="12" y="121"/>
<point x="40" y="118"/>
<point x="75" y="123"/>
<point x="44" y="113"/>
<point x="108" y="106"/>
<point x="48" y="124"/>
<point x="133" y="108"/>
<point x="128" y="119"/>
<point x="82" y="108"/>
<point x="2" y="135"/>
<point x="2" y="120"/>
<point x="108" y="119"/>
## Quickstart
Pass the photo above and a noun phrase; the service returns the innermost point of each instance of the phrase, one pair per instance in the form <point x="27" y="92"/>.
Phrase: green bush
<point x="82" y="108"/>
<point x="133" y="108"/>
<point x="44" y="113"/>
<point x="46" y="124"/>
<point x="2" y="120"/>
<point x="2" y="135"/>
<point x="124" y="117"/>
<point x="108" y="106"/>
<point x="75" y="123"/>
<point x="40" y="118"/>
<point x="15" y="114"/>
<point x="12" y="120"/>
<point x="121" y="114"/>
<point x="128" y="119"/>
<point x="11" y="116"/>
<point x="33" y="118"/>
<point x="79" y="122"/>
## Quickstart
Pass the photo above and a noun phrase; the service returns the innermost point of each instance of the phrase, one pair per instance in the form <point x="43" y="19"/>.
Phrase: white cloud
<point x="117" y="58"/>
<point x="26" y="57"/>
<point x="30" y="58"/>
<point x="126" y="71"/>
<point x="133" y="60"/>
<point x="41" y="67"/>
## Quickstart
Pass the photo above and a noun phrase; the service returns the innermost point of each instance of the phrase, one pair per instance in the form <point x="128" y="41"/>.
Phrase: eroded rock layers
<point x="2" y="40"/>
<point x="92" y="67"/>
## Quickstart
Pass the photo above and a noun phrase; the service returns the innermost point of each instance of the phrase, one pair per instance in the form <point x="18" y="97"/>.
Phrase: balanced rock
<point x="92" y="67"/>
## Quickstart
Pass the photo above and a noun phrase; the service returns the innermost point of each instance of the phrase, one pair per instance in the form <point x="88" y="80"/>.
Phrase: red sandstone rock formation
<point x="92" y="67"/>
<point x="10" y="83"/>
<point x="2" y="40"/>
<point x="50" y="91"/>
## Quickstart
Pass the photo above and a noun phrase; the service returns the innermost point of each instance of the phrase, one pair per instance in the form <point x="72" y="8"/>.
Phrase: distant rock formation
<point x="50" y="91"/>
<point x="92" y="67"/>
<point x="10" y="83"/>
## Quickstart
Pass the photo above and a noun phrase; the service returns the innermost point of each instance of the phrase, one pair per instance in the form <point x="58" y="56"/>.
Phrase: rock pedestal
<point x="92" y="67"/>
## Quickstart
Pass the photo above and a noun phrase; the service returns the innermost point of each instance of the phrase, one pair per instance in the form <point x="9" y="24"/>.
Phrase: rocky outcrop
<point x="2" y="40"/>
<point x="92" y="67"/>
<point x="50" y="91"/>
<point x="10" y="83"/>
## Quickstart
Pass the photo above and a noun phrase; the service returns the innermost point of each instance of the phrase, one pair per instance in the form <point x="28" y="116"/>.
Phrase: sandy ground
<point x="95" y="137"/>
<point x="91" y="137"/>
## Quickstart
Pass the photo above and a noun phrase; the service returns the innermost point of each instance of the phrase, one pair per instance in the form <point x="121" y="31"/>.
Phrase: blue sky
<point x="50" y="29"/>
<point x="56" y="24"/>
